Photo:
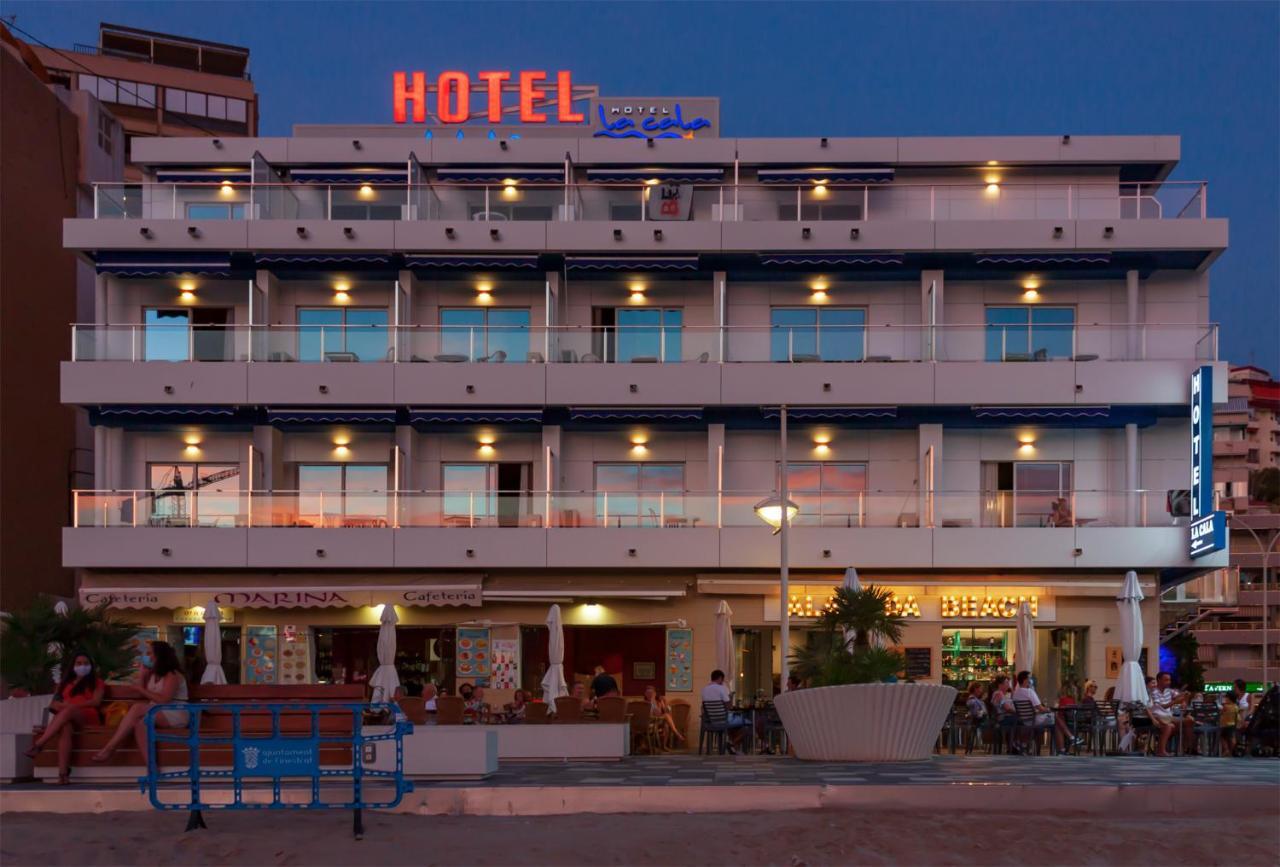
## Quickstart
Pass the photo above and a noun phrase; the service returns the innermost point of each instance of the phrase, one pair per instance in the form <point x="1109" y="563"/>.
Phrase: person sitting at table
<point x="1060" y="513"/>
<point x="1228" y="723"/>
<point x="1167" y="706"/>
<point x="660" y="713"/>
<point x="476" y="706"/>
<point x="603" y="684"/>
<point x="78" y="703"/>
<point x="1002" y="712"/>
<point x="579" y="692"/>
<point x="516" y="707"/>
<point x="429" y="697"/>
<point x="976" y="705"/>
<point x="1089" y="699"/>
<point x="1044" y="715"/>
<point x="717" y="691"/>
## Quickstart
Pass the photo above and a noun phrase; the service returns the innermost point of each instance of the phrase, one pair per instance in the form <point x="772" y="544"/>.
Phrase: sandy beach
<point x="805" y="837"/>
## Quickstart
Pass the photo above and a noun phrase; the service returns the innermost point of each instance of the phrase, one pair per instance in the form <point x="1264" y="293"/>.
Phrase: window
<point x="828" y="494"/>
<point x="342" y="334"/>
<point x="487" y="494"/>
<point x="817" y="333"/>
<point x="378" y="202"/>
<point x="343" y="495"/>
<point x="193" y="495"/>
<point x="1027" y="494"/>
<point x="166" y="334"/>
<point x="1030" y="333"/>
<point x="215" y="210"/>
<point x="146" y="95"/>
<point x="196" y="103"/>
<point x="236" y="110"/>
<point x="485" y="333"/>
<point x="175" y="100"/>
<point x="218" y="107"/>
<point x="649" y="334"/>
<point x="620" y="211"/>
<point x="639" y="495"/>
<point x="106" y="133"/>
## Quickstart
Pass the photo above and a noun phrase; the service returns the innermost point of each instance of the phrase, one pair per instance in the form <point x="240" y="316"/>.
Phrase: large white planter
<point x="868" y="722"/>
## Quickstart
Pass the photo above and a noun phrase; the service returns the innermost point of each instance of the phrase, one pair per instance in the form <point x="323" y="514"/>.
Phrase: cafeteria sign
<point x="1208" y="532"/>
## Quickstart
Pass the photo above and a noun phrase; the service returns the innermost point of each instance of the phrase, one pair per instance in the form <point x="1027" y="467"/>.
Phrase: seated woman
<point x="660" y="713"/>
<point x="516" y="708"/>
<point x="476" y="706"/>
<point x="160" y="681"/>
<point x="77" y="705"/>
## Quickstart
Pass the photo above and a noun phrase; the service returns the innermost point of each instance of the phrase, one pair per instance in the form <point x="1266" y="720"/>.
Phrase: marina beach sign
<point x="546" y="99"/>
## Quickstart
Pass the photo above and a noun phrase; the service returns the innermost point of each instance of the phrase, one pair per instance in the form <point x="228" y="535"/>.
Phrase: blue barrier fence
<point x="288" y="759"/>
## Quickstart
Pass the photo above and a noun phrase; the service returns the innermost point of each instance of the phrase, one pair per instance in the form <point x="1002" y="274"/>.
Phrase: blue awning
<point x="1041" y="413"/>
<point x="825" y="260"/>
<point x="636" y="414"/>
<point x="322" y="259"/>
<point x="631" y="263"/>
<point x="845" y="175"/>
<point x="481" y="261"/>
<point x="347" y="175"/>
<point x="498" y="174"/>
<point x="327" y="415"/>
<point x="164" y="264"/>
<point x="831" y="413"/>
<point x="1049" y="258"/>
<point x="162" y="412"/>
<point x="676" y="175"/>
<point x="475" y="416"/>
<point x="203" y="176"/>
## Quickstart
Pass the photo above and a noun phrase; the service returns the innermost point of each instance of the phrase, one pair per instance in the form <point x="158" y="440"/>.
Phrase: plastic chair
<point x="611" y="709"/>
<point x="449" y="710"/>
<point x="415" y="708"/>
<point x="1027" y="723"/>
<point x="568" y="709"/>
<point x="680" y="716"/>
<point x="641" y="717"/>
<point x="715" y="727"/>
<point x="535" y="713"/>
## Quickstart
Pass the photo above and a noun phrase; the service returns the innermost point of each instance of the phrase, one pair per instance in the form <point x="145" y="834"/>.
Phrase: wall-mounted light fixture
<point x="226" y="189"/>
<point x="639" y="442"/>
<point x="822" y="442"/>
<point x="637" y="292"/>
<point x="653" y="182"/>
<point x="484" y="292"/>
<point x="509" y="190"/>
<point x="1031" y="289"/>
<point x="342" y="444"/>
<point x="820" y="189"/>
<point x="187" y="291"/>
<point x="486" y="441"/>
<point x="341" y="292"/>
<point x="366" y="191"/>
<point x="1026" y="443"/>
<point x="193" y="443"/>
<point x="818" y="289"/>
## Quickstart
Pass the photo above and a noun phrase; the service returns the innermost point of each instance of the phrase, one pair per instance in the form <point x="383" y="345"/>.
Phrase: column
<point x="101" y="454"/>
<point x="932" y="287"/>
<point x="551" y="480"/>
<point x="406" y="504"/>
<point x="265" y="475"/>
<point x="1133" y="288"/>
<point x="552" y="315"/>
<point x="1131" y="475"/>
<point x="720" y="314"/>
<point x="929" y="475"/>
<point x="715" y="472"/>
<point x="101" y="299"/>
<point x="405" y="334"/>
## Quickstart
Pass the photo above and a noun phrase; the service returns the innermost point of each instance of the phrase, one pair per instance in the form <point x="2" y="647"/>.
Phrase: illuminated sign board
<point x="999" y="607"/>
<point x="453" y="96"/>
<point x="1208" y="531"/>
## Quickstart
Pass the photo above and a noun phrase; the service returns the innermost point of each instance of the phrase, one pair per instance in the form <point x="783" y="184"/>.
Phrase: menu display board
<point x="295" y="655"/>
<point x="259" y="655"/>
<point x="475" y="652"/>
<point x="679" y="664"/>
<point x="919" y="662"/>
<point x="506" y="664"/>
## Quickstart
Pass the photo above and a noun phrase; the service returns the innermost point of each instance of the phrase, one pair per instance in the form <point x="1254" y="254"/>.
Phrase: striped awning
<point x="635" y="414"/>
<point x="670" y="175"/>
<point x="323" y="259"/>
<point x="500" y="174"/>
<point x="330" y="415"/>
<point x="203" y="176"/>
<point x="483" y="261"/>
<point x="161" y="412"/>
<point x="475" y="416"/>
<point x="842" y="175"/>
<point x="164" y="264"/>
<point x="348" y="175"/>
<point x="1050" y="258"/>
<point x="1041" y="413"/>
<point x="828" y="260"/>
<point x="631" y="263"/>
<point x="831" y="413"/>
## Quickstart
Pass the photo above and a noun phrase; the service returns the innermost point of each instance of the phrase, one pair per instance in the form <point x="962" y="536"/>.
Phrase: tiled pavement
<point x="680" y="770"/>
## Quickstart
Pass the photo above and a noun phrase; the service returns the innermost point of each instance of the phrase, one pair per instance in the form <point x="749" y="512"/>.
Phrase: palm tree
<point x="35" y="639"/>
<point x="863" y="613"/>
<point x="831" y="659"/>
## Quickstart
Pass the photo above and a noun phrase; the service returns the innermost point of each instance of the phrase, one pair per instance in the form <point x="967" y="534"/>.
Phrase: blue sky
<point x="1209" y="72"/>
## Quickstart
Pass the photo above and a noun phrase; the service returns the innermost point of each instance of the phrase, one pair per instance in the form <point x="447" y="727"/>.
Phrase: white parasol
<point x="1132" y="685"/>
<point x="385" y="681"/>
<point x="553" y="685"/>
<point x="1025" y="658"/>
<point x="725" y="657"/>
<point x="213" y="672"/>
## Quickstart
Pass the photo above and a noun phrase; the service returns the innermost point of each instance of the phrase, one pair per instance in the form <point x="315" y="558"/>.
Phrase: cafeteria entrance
<point x="349" y="654"/>
<point x="634" y="655"/>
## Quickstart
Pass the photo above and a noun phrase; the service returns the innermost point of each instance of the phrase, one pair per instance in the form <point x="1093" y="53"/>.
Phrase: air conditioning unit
<point x="726" y="213"/>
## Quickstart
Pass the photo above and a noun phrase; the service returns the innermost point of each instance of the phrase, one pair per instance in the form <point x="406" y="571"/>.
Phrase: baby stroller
<point x="1262" y="731"/>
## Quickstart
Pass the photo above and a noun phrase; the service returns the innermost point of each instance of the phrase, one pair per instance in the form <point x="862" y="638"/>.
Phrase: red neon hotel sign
<point x="453" y="95"/>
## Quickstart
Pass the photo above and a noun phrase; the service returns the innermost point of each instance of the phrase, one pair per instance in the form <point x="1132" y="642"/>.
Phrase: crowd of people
<point x="994" y="706"/>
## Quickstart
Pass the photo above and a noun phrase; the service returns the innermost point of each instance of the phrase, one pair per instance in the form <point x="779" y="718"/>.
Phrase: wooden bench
<point x="215" y="722"/>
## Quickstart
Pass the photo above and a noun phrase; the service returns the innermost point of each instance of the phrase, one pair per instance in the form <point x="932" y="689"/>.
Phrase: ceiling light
<point x="820" y="189"/>
<point x="993" y="162"/>
<point x="226" y="189"/>
<point x="366" y="191"/>
<point x="653" y="182"/>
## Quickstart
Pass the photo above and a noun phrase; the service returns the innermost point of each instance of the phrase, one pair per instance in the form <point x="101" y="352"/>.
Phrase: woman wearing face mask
<point x="79" y="697"/>
<point x="161" y="682"/>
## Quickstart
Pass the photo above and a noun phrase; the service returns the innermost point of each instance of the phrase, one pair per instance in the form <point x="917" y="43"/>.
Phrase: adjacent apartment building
<point x="475" y="369"/>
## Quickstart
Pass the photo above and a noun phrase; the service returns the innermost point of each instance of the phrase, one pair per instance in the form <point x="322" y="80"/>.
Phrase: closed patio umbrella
<point x="553" y="685"/>
<point x="1025" y="658"/>
<point x="385" y="681"/>
<point x="213" y="672"/>
<point x="1132" y="685"/>
<point x="725" y="657"/>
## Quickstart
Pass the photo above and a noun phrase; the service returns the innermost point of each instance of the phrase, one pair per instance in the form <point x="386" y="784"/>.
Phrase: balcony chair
<point x="341" y="356"/>
<point x="496" y="357"/>
<point x="704" y="357"/>
<point x="534" y="358"/>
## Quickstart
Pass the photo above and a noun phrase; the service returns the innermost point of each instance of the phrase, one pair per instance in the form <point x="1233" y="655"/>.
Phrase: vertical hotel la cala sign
<point x="1208" y="526"/>
<point x="538" y="99"/>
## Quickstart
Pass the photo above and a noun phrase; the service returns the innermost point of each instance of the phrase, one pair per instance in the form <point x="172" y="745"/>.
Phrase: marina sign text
<point x="452" y="90"/>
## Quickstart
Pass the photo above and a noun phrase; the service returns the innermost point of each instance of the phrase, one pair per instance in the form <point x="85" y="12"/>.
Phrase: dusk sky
<point x="1208" y="72"/>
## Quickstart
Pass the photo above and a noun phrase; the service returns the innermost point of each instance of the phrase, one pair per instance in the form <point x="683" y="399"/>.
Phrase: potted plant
<point x="855" y="709"/>
<point x="36" y="639"/>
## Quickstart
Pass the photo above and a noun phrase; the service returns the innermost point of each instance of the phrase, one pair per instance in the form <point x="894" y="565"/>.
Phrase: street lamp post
<point x="777" y="512"/>
<point x="1234" y="520"/>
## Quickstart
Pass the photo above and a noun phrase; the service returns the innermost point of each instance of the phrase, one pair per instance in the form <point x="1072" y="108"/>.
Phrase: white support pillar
<point x="101" y="454"/>
<point x="1133" y="299"/>
<point x="715" y="467"/>
<point x="102" y="299"/>
<point x="932" y="289"/>
<point x="552" y="315"/>
<point x="551" y="480"/>
<point x="1132" y="475"/>
<point x="407" y="479"/>
<point x="265" y="440"/>
<point x="720" y="308"/>
<point x="929" y="476"/>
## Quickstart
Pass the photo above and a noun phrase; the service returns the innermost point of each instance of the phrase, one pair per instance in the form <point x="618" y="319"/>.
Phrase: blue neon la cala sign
<point x="666" y="124"/>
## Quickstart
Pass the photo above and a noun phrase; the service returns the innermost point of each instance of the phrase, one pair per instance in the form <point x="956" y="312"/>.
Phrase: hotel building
<point x="474" y="370"/>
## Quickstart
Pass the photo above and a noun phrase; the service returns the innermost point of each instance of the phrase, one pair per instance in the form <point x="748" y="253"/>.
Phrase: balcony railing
<point x="744" y="202"/>
<point x="643" y="344"/>
<point x="619" y="509"/>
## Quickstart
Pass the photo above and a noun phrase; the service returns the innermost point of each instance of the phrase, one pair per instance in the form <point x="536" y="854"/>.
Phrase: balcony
<point x="1231" y="448"/>
<point x="640" y="365"/>
<point x="597" y="529"/>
